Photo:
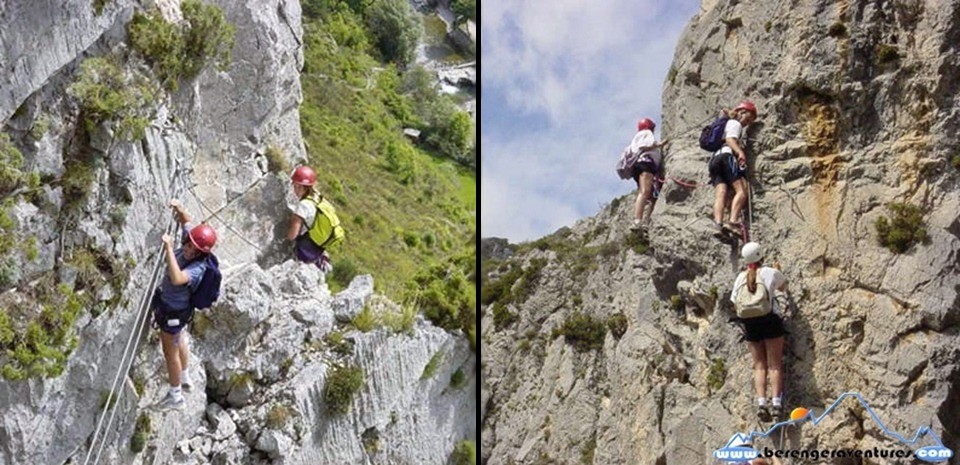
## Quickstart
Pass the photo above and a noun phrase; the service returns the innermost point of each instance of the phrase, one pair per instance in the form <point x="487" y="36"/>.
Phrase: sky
<point x="563" y="85"/>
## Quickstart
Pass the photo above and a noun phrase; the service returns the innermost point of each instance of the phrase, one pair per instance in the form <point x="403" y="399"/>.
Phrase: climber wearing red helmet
<point x="314" y="225"/>
<point x="647" y="171"/>
<point x="172" y="307"/>
<point x="728" y="169"/>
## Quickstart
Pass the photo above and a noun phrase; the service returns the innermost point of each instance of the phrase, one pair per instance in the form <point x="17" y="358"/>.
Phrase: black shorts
<point x="724" y="169"/>
<point x="769" y="326"/>
<point x="641" y="167"/>
<point x="167" y="319"/>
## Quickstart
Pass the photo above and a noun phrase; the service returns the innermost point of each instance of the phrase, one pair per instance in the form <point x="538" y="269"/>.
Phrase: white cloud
<point x="583" y="72"/>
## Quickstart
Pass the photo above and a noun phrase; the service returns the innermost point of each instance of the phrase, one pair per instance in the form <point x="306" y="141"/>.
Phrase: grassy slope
<point x="349" y="116"/>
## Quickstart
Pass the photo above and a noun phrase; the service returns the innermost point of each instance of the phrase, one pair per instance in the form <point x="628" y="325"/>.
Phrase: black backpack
<point x="711" y="137"/>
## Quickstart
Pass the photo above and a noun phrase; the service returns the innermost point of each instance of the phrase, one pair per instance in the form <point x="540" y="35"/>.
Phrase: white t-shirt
<point x="733" y="129"/>
<point x="646" y="138"/>
<point x="307" y="211"/>
<point x="771" y="278"/>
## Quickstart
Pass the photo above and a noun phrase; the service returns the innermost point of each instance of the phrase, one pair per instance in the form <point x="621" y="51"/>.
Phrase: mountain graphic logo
<point x="738" y="448"/>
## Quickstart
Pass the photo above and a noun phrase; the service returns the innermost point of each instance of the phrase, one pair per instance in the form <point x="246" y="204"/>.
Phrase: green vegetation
<point x="139" y="385"/>
<point x="40" y="127"/>
<point x="464" y="8"/>
<point x="343" y="382"/>
<point x="79" y="175"/>
<point x="42" y="348"/>
<point x="444" y="127"/>
<point x="767" y="26"/>
<point x="583" y="331"/>
<point x="955" y="161"/>
<point x="457" y="379"/>
<point x="180" y="51"/>
<point x="98" y="6"/>
<point x="503" y="317"/>
<point x="109" y="93"/>
<point x="514" y="286"/>
<point x="395" y="29"/>
<point x="837" y="30"/>
<point x="676" y="303"/>
<point x="431" y="368"/>
<point x="446" y="295"/>
<point x="343" y="272"/>
<point x="401" y="321"/>
<point x="717" y="376"/>
<point x="11" y="160"/>
<point x="403" y="205"/>
<point x="586" y="454"/>
<point x="365" y="320"/>
<point x="904" y="228"/>
<point x="141" y="433"/>
<point x="886" y="53"/>
<point x="338" y="344"/>
<point x="277" y="160"/>
<point x="278" y="416"/>
<point x="464" y="453"/>
<point x="617" y="323"/>
<point x="638" y="244"/>
<point x="107" y="401"/>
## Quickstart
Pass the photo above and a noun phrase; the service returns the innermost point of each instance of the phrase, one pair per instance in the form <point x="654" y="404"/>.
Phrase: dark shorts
<point x="169" y="320"/>
<point x="724" y="169"/>
<point x="306" y="250"/>
<point x="763" y="327"/>
<point x="641" y="167"/>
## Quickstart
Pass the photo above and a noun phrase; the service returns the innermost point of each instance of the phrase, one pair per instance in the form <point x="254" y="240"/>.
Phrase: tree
<point x="396" y="29"/>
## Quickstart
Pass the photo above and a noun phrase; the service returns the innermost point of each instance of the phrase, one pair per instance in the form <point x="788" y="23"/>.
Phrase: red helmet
<point x="746" y="105"/>
<point x="203" y="237"/>
<point x="645" y="123"/>
<point x="304" y="176"/>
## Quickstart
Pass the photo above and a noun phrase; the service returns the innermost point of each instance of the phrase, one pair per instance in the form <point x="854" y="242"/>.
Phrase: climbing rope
<point x="126" y="361"/>
<point x="215" y="214"/>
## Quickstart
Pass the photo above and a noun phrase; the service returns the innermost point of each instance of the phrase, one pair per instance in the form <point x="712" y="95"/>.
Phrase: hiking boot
<point x="636" y="226"/>
<point x="763" y="414"/>
<point x="171" y="402"/>
<point x="732" y="228"/>
<point x="776" y="411"/>
<point x="717" y="230"/>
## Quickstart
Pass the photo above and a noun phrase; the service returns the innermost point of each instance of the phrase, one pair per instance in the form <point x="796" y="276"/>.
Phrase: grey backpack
<point x="625" y="165"/>
<point x="752" y="304"/>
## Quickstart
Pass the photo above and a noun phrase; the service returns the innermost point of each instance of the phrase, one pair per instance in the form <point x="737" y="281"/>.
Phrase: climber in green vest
<point x="314" y="226"/>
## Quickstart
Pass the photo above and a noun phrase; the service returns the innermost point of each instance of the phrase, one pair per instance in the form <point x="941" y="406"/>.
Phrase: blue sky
<point x="564" y="83"/>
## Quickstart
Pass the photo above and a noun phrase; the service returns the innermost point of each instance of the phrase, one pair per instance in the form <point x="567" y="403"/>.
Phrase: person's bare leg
<point x="759" y="355"/>
<point x="172" y="357"/>
<point x="719" y="203"/>
<point x="774" y="349"/>
<point x="645" y="195"/>
<point x="739" y="199"/>
<point x="183" y="350"/>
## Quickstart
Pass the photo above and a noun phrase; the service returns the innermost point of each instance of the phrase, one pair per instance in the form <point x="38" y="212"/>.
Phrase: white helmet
<point x="751" y="252"/>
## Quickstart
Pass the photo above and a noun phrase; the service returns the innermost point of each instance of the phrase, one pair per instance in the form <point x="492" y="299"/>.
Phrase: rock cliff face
<point x="206" y="144"/>
<point x="857" y="111"/>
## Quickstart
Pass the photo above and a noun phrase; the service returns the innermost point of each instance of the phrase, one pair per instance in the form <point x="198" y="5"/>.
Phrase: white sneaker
<point x="172" y="402"/>
<point x="185" y="382"/>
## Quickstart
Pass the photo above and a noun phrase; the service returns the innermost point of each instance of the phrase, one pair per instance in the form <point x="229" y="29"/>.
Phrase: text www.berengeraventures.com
<point x="817" y="454"/>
